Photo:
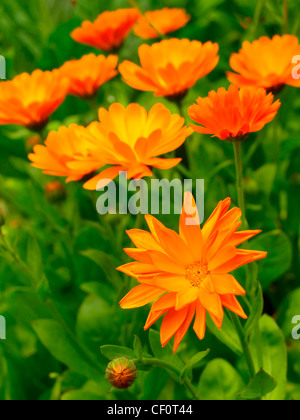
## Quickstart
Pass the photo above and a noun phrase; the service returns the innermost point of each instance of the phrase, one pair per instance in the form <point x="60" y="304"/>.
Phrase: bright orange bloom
<point x="29" y="100"/>
<point x="158" y="22"/>
<point x="108" y="31"/>
<point x="60" y="149"/>
<point x="128" y="139"/>
<point x="265" y="63"/>
<point x="235" y="113"/>
<point x="189" y="274"/>
<point x="169" y="68"/>
<point x="89" y="73"/>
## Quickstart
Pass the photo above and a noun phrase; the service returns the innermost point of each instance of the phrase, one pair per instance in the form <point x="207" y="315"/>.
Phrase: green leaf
<point x="279" y="259"/>
<point x="260" y="386"/>
<point x="194" y="361"/>
<point x="274" y="355"/>
<point x="80" y="396"/>
<point x="64" y="348"/>
<point x="220" y="382"/>
<point x="227" y="335"/>
<point x="255" y="313"/>
<point x="265" y="177"/>
<point x="114" y="352"/>
<point x="138" y="348"/>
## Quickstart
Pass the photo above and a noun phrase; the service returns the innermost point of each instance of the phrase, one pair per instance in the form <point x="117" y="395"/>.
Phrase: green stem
<point x="169" y="366"/>
<point x="237" y="145"/>
<point x="183" y="150"/>
<point x="257" y="15"/>
<point x="245" y="346"/>
<point x="285" y="17"/>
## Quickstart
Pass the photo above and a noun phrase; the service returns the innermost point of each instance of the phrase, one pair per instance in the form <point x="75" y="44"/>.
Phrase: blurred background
<point x="55" y="328"/>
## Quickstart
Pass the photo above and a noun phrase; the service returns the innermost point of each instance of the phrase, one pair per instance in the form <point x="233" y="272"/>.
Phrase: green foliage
<point x="59" y="289"/>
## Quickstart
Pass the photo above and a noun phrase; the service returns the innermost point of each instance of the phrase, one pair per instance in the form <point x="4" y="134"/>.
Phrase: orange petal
<point x="140" y="296"/>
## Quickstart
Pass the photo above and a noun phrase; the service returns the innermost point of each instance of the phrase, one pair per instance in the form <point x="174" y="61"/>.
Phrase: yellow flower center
<point x="196" y="273"/>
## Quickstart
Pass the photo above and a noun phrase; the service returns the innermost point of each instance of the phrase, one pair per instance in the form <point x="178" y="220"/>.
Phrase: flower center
<point x="196" y="273"/>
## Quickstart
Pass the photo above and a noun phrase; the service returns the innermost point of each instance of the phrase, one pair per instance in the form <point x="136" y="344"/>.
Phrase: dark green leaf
<point x="261" y="385"/>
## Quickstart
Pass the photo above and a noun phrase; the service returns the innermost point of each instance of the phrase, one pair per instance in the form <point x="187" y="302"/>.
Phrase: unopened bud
<point x="121" y="373"/>
<point x="31" y="142"/>
<point x="55" y="192"/>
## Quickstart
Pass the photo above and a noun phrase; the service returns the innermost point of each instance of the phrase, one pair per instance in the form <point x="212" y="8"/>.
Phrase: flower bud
<point x="55" y="192"/>
<point x="31" y="142"/>
<point x="121" y="373"/>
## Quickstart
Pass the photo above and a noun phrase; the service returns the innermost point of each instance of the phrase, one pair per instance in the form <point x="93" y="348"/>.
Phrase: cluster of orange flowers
<point x="187" y="272"/>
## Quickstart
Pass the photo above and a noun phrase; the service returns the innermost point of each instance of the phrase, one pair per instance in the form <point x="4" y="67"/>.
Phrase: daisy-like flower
<point x="265" y="63"/>
<point x="89" y="73"/>
<point x="170" y="67"/>
<point x="60" y="149"/>
<point x="233" y="114"/>
<point x="127" y="139"/>
<point x="29" y="100"/>
<point x="108" y="31"/>
<point x="158" y="22"/>
<point x="188" y="274"/>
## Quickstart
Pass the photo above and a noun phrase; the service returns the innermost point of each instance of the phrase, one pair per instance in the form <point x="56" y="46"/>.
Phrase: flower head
<point x="233" y="114"/>
<point x="29" y="100"/>
<point x="55" y="192"/>
<point x="121" y="373"/>
<point x="108" y="31"/>
<point x="60" y="149"/>
<point x="169" y="68"/>
<point x="188" y="274"/>
<point x="159" y="22"/>
<point x="127" y="139"/>
<point x="89" y="73"/>
<point x="265" y="63"/>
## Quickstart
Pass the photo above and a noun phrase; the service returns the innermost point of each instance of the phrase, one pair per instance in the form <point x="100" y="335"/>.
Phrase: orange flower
<point x="61" y="148"/>
<point x="169" y="68"/>
<point x="265" y="63"/>
<point x="233" y="114"/>
<point x="89" y="73"/>
<point x="108" y="31"/>
<point x="161" y="22"/>
<point x="127" y="139"/>
<point x="29" y="100"/>
<point x="189" y="274"/>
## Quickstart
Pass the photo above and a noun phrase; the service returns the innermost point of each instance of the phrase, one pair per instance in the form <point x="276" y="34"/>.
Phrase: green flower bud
<point x="121" y="373"/>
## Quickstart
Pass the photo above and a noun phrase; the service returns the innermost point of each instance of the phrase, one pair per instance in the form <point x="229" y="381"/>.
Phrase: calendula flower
<point x="265" y="63"/>
<point x="189" y="274"/>
<point x="170" y="67"/>
<point x="108" y="31"/>
<point x="121" y="373"/>
<point x="158" y="22"/>
<point x="89" y="73"/>
<point x="29" y="100"/>
<point x="60" y="149"/>
<point x="233" y="114"/>
<point x="127" y="139"/>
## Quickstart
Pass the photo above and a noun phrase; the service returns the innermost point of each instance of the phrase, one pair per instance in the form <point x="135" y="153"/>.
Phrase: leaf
<point x="64" y="348"/>
<point x="138" y="348"/>
<point x="279" y="259"/>
<point x="259" y="386"/>
<point x="227" y="335"/>
<point x="255" y="313"/>
<point x="114" y="352"/>
<point x="274" y="355"/>
<point x="265" y="177"/>
<point x="220" y="382"/>
<point x="194" y="361"/>
<point x="80" y="396"/>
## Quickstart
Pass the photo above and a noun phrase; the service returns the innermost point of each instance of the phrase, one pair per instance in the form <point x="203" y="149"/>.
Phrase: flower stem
<point x="169" y="366"/>
<point x="246" y="350"/>
<point x="240" y="181"/>
<point x="183" y="151"/>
